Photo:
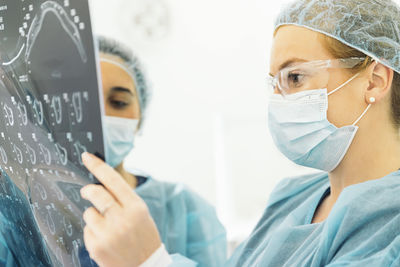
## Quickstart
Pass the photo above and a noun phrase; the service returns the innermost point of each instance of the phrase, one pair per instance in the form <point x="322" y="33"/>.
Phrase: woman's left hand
<point x="119" y="230"/>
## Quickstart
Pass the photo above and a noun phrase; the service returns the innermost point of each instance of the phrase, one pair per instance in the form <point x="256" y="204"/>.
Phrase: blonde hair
<point x="341" y="50"/>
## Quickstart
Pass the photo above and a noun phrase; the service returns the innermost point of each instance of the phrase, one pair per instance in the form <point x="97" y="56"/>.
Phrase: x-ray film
<point x="50" y="113"/>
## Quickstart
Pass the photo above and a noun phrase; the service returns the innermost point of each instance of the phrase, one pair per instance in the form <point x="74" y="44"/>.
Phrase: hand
<point x="119" y="230"/>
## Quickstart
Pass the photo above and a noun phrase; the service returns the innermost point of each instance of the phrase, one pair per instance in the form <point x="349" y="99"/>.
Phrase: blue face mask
<point x="119" y="137"/>
<point x="300" y="129"/>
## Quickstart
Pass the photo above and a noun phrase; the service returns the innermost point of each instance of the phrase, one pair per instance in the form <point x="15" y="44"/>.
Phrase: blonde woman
<point x="335" y="107"/>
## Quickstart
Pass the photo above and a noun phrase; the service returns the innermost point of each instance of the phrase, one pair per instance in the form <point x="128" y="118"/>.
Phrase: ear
<point x="380" y="82"/>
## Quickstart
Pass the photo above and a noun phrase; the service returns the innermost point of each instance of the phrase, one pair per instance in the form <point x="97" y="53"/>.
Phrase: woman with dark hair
<point x="186" y="223"/>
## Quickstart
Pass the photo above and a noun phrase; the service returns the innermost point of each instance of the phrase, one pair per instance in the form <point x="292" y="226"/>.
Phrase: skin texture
<point x="375" y="151"/>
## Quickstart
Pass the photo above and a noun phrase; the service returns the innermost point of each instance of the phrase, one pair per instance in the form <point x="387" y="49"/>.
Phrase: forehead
<point x="113" y="75"/>
<point x="295" y="42"/>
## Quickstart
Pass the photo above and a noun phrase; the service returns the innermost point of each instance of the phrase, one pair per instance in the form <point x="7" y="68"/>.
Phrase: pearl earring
<point x="372" y="99"/>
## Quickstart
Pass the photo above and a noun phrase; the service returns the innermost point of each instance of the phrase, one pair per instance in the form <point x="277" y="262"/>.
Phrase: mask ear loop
<point x="371" y="100"/>
<point x="344" y="84"/>
<point x="365" y="111"/>
<point x="340" y="87"/>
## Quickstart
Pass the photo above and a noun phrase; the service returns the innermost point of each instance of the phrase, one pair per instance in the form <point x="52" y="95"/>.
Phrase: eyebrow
<point x="121" y="89"/>
<point x="288" y="63"/>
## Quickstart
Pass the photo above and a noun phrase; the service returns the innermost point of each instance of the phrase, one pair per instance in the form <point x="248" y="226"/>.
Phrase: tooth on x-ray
<point x="75" y="254"/>
<point x="77" y="104"/>
<point x="31" y="153"/>
<point x="75" y="194"/>
<point x="57" y="108"/>
<point x="38" y="108"/>
<point x="59" y="256"/>
<point x="23" y="113"/>
<point x="9" y="114"/>
<point x="67" y="226"/>
<point x="46" y="154"/>
<point x="79" y="149"/>
<point x="62" y="154"/>
<point x="18" y="153"/>
<point x="41" y="190"/>
<point x="3" y="155"/>
<point x="50" y="222"/>
<point x="59" y="193"/>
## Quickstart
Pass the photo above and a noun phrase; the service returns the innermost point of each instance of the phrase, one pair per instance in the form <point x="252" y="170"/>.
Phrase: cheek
<point x="107" y="108"/>
<point x="136" y="109"/>
<point x="346" y="105"/>
<point x="339" y="111"/>
<point x="133" y="112"/>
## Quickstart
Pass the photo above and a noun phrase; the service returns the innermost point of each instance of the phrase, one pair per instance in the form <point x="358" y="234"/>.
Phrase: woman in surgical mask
<point x="335" y="107"/>
<point x="186" y="223"/>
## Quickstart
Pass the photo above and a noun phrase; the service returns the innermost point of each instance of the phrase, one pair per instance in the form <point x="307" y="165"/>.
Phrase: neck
<point x="374" y="153"/>
<point x="128" y="177"/>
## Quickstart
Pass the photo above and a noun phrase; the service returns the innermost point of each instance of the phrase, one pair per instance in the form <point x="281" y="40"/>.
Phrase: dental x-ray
<point x="50" y="113"/>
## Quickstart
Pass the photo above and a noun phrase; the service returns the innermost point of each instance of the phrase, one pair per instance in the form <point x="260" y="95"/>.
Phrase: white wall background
<point x="207" y="124"/>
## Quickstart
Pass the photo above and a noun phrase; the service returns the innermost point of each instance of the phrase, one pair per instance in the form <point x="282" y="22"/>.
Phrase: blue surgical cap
<point x="370" y="26"/>
<point x="132" y="65"/>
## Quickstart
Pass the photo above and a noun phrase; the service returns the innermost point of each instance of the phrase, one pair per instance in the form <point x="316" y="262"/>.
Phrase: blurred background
<point x="206" y="127"/>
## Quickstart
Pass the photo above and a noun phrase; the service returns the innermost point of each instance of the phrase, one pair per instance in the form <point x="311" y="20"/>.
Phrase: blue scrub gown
<point x="363" y="228"/>
<point x="187" y="224"/>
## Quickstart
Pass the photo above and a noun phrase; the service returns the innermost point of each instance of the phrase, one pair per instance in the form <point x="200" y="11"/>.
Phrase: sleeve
<point x="188" y="225"/>
<point x="6" y="256"/>
<point x="206" y="240"/>
<point x="161" y="258"/>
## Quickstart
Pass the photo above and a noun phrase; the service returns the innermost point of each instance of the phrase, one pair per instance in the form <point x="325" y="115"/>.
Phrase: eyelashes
<point x="118" y="104"/>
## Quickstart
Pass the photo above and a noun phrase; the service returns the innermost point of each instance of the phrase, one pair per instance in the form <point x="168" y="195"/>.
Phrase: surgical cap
<point x="371" y="27"/>
<point x="132" y="65"/>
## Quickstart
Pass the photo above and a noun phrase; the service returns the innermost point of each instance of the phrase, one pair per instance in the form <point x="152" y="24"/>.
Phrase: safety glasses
<point x="309" y="75"/>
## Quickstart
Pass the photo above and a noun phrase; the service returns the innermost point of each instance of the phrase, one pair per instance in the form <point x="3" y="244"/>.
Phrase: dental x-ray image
<point x="50" y="113"/>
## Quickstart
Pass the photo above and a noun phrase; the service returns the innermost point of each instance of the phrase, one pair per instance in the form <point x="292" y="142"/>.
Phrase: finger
<point x="94" y="221"/>
<point x="101" y="199"/>
<point x="90" y="240"/>
<point x="111" y="179"/>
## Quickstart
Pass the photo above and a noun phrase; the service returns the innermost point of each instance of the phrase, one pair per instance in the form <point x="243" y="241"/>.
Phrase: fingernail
<point x="86" y="157"/>
<point x="83" y="190"/>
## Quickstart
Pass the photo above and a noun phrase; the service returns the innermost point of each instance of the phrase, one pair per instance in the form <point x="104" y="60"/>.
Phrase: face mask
<point x="119" y="136"/>
<point x="300" y="129"/>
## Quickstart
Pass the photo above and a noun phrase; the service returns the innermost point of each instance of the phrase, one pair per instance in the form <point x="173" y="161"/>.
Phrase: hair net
<point x="132" y="65"/>
<point x="371" y="27"/>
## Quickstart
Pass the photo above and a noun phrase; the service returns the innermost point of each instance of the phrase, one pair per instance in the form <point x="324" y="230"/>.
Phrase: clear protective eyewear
<point x="308" y="75"/>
